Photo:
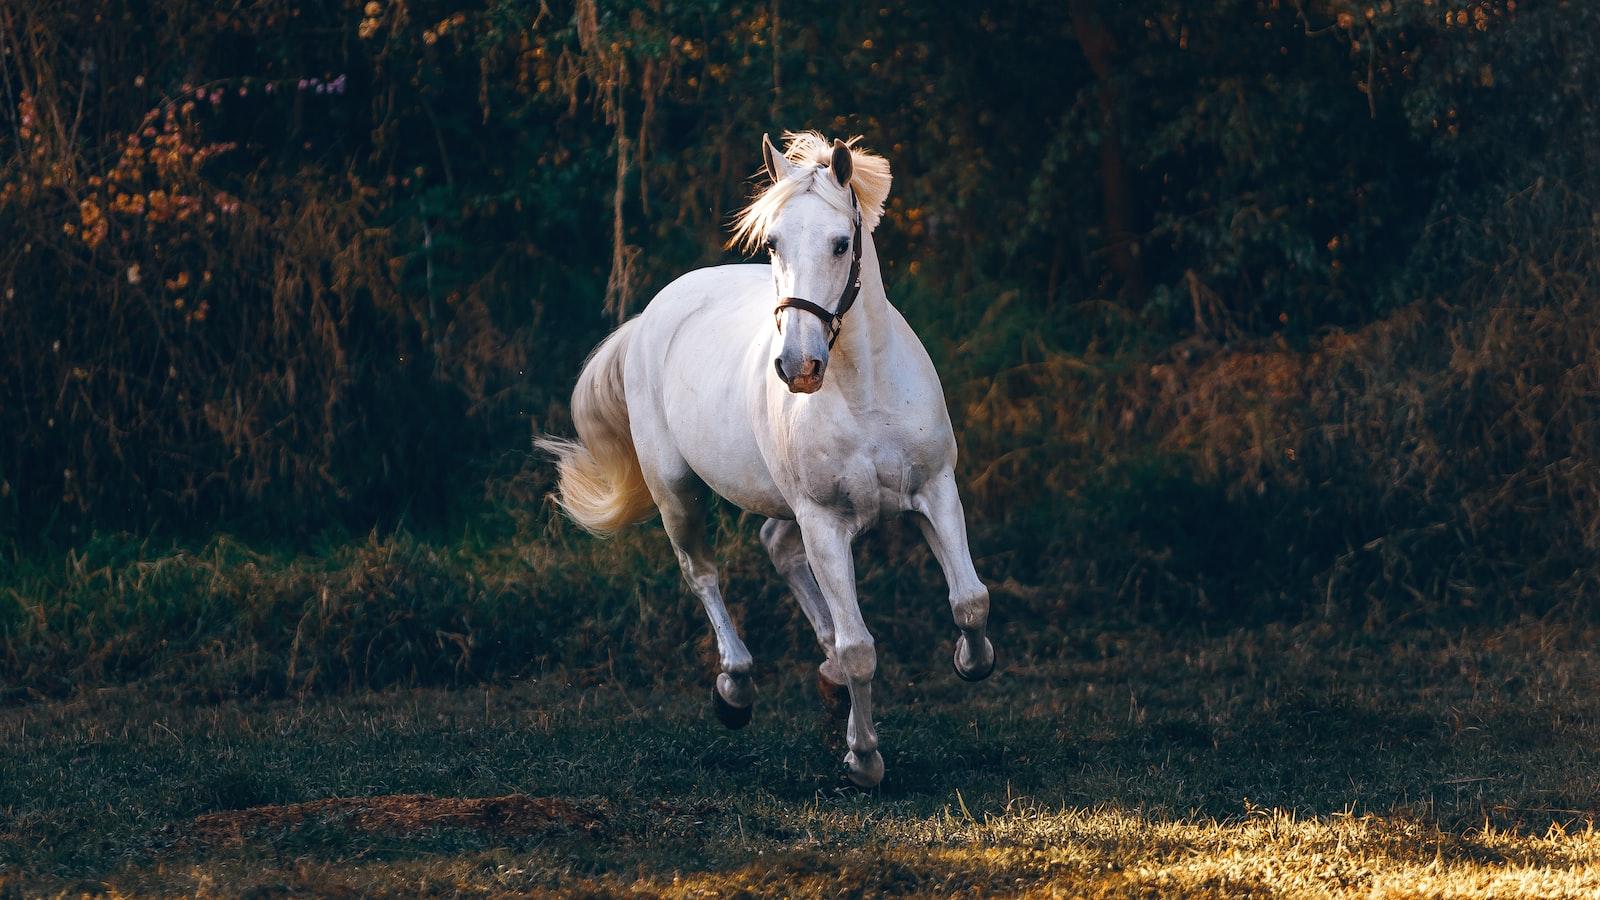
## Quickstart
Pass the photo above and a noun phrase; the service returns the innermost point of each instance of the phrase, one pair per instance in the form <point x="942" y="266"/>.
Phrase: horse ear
<point x="777" y="166"/>
<point x="841" y="165"/>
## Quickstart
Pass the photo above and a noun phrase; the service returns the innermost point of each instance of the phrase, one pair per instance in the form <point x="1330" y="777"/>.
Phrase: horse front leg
<point x="945" y="526"/>
<point x="782" y="539"/>
<point x="827" y="546"/>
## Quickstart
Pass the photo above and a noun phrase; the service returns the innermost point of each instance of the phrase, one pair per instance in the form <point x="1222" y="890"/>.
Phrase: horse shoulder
<point x="917" y="410"/>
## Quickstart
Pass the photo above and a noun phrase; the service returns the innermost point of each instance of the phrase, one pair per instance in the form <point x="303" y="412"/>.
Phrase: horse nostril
<point x="811" y="368"/>
<point x="778" y="364"/>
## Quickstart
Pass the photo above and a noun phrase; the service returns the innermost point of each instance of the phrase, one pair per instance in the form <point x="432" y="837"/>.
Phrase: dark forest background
<point x="1244" y="310"/>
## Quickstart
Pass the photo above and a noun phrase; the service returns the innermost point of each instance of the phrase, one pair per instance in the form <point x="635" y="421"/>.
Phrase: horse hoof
<point x="975" y="672"/>
<point x="835" y="697"/>
<point x="864" y="772"/>
<point x="734" y="717"/>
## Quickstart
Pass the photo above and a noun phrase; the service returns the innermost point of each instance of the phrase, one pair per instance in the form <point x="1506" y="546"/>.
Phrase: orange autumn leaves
<point x="141" y="212"/>
<point x="155" y="179"/>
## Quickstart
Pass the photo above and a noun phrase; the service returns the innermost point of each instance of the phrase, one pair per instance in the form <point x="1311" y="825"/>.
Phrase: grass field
<point x="1273" y="759"/>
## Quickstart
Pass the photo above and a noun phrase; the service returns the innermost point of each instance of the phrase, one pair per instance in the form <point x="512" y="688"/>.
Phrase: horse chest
<point x="872" y="468"/>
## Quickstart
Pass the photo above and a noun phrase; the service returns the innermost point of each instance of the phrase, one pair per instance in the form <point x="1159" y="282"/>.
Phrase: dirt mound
<point x="405" y="813"/>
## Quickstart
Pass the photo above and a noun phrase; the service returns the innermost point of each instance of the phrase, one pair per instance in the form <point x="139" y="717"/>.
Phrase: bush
<point x="1242" y="308"/>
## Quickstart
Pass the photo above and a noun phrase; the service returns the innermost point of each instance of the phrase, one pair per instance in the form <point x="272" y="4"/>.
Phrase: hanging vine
<point x="605" y="65"/>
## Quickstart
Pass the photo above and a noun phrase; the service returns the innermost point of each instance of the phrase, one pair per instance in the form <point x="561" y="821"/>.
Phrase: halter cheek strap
<point x="833" y="321"/>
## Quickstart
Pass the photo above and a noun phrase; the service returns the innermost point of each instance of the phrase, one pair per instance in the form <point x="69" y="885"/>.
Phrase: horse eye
<point x="772" y="246"/>
<point x="840" y="246"/>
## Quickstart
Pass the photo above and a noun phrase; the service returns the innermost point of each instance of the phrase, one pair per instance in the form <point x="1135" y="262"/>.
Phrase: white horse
<point x="732" y="381"/>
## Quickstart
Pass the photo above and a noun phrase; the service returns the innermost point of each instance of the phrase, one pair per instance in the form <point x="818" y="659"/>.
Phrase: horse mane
<point x="810" y="152"/>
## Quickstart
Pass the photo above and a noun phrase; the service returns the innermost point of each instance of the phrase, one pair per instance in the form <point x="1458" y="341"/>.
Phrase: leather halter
<point x="833" y="321"/>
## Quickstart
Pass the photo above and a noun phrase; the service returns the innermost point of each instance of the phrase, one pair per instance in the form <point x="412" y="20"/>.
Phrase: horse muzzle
<point x="807" y="378"/>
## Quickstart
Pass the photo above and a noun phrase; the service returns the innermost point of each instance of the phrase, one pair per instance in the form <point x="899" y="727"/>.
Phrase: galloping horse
<point x="796" y="391"/>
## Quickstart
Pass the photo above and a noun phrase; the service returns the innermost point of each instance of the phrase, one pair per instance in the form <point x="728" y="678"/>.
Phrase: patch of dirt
<point x="516" y="814"/>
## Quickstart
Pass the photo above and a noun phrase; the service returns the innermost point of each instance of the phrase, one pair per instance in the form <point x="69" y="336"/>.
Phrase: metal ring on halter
<point x="833" y="321"/>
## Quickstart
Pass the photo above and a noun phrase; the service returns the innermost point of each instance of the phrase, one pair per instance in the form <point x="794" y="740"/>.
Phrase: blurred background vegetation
<point x="1246" y="309"/>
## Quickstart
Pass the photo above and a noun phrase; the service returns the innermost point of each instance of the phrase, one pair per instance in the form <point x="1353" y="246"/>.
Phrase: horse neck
<point x="864" y="338"/>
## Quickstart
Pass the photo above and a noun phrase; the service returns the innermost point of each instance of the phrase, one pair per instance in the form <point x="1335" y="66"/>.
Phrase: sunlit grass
<point x="1111" y="851"/>
<point x="1104" y="851"/>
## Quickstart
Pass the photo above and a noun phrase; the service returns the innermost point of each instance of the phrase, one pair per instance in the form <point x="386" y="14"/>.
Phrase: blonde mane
<point x="810" y="152"/>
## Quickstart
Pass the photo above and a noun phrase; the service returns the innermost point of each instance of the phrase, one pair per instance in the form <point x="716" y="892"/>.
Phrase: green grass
<point x="1130" y="760"/>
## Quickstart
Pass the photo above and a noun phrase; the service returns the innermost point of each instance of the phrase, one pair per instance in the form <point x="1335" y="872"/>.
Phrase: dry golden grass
<point x="1114" y="853"/>
<point x="1102" y="852"/>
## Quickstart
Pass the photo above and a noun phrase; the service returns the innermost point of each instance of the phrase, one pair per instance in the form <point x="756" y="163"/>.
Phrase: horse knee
<point x="970" y="608"/>
<point x="778" y="536"/>
<point x="858" y="659"/>
<point x="772" y="534"/>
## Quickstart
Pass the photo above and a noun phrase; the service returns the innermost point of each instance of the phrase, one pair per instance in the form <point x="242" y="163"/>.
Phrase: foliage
<point x="1269" y="318"/>
<point x="1316" y="271"/>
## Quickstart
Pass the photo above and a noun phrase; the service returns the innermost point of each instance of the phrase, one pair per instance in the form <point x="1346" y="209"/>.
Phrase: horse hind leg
<point x="683" y="514"/>
<point x="784" y="544"/>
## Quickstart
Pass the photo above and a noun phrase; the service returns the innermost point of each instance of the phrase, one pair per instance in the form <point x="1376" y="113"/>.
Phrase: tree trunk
<point x="1099" y="49"/>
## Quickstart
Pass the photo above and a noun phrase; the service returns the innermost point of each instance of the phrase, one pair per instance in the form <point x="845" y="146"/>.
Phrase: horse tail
<point x="600" y="484"/>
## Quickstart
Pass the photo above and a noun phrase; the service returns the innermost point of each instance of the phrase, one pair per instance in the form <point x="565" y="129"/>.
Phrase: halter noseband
<point x="833" y="321"/>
